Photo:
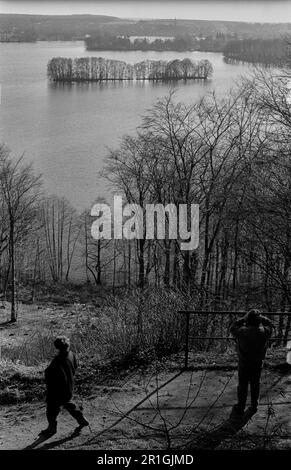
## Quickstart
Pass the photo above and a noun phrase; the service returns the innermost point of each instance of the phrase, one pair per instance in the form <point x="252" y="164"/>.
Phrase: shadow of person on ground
<point x="53" y="444"/>
<point x="225" y="430"/>
<point x="35" y="443"/>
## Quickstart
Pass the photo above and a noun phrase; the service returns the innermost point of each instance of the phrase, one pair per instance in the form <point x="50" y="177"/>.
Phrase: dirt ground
<point x="35" y="318"/>
<point x="191" y="411"/>
<point x="188" y="412"/>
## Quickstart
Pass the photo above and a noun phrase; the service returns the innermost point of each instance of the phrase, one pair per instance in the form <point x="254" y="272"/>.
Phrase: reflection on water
<point x="65" y="129"/>
<point x="94" y="86"/>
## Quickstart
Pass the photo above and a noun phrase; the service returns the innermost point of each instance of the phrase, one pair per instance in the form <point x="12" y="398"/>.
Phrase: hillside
<point x="50" y="27"/>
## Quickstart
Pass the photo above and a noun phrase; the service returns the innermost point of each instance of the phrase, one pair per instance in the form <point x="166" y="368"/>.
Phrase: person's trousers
<point x="248" y="374"/>
<point x="53" y="408"/>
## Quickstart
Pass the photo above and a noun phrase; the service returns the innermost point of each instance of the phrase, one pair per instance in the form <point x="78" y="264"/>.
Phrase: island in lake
<point x="97" y="69"/>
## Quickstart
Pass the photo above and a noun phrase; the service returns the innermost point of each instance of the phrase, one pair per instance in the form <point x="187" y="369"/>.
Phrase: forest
<point x="276" y="52"/>
<point x="98" y="69"/>
<point x="230" y="156"/>
<point x="106" y="41"/>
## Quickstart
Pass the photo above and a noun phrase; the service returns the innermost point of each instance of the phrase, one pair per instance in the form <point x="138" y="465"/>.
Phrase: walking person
<point x="252" y="333"/>
<point x="59" y="378"/>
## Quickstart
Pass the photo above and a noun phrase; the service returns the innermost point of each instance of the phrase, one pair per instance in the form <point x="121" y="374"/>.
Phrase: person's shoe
<point x="48" y="432"/>
<point x="82" y="424"/>
<point x="238" y="410"/>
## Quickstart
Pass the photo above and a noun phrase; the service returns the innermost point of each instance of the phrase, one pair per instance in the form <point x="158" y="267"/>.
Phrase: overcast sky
<point x="239" y="10"/>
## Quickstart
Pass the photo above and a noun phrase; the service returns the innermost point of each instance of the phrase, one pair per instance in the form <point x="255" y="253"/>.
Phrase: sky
<point x="237" y="10"/>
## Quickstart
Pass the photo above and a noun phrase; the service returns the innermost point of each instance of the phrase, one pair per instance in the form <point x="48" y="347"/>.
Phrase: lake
<point x="66" y="130"/>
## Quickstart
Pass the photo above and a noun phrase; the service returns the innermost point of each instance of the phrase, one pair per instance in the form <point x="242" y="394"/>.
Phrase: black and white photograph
<point x="145" y="236"/>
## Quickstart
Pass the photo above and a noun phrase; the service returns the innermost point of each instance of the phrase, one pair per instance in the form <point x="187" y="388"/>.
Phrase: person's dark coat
<point x="59" y="377"/>
<point x="252" y="341"/>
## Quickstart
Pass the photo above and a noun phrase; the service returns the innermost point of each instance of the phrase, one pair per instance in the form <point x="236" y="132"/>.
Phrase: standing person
<point x="59" y="378"/>
<point x="252" y="333"/>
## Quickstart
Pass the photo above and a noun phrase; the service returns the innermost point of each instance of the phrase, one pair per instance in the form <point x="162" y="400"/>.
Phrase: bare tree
<point x="19" y="192"/>
<point x="61" y="228"/>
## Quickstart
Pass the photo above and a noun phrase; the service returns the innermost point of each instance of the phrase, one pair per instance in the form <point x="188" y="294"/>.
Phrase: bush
<point x="133" y="329"/>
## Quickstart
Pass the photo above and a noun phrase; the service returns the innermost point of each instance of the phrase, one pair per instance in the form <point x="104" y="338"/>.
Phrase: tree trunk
<point x="34" y="270"/>
<point x="114" y="268"/>
<point x="12" y="257"/>
<point x="129" y="263"/>
<point x="140" y="244"/>
<point x="288" y="325"/>
<point x="186" y="271"/>
<point x="86" y="249"/>
<point x="99" y="261"/>
<point x="167" y="244"/>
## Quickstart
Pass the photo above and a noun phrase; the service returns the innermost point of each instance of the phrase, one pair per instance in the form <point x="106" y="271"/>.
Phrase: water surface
<point x="65" y="130"/>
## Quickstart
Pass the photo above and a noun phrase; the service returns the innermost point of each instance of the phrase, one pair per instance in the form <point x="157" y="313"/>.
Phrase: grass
<point x="126" y="332"/>
<point x="19" y="382"/>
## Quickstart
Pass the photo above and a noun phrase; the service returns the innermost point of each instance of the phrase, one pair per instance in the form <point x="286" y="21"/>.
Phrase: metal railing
<point x="188" y="313"/>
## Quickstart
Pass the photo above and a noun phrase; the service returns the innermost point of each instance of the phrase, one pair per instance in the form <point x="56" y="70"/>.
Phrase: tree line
<point x="275" y="51"/>
<point x="103" y="40"/>
<point x="72" y="27"/>
<point x="15" y="35"/>
<point x="62" y="69"/>
<point x="38" y="233"/>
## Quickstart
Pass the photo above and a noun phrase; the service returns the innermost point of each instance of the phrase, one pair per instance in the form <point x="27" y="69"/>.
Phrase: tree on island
<point x="62" y="69"/>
